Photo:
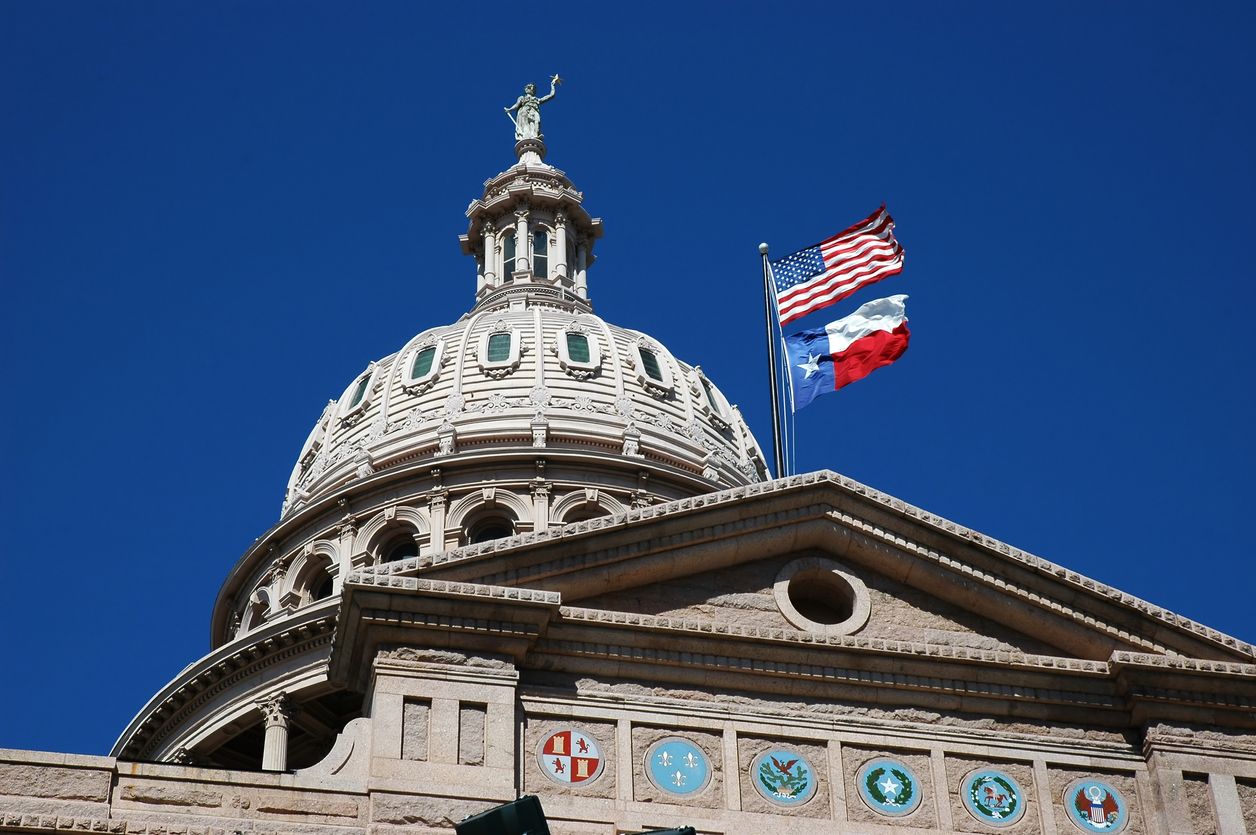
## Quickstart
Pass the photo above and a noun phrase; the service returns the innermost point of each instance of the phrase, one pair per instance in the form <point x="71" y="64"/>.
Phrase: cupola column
<point x="276" y="713"/>
<point x="488" y="274"/>
<point x="523" y="243"/>
<point x="582" y="266"/>
<point x="560" y="243"/>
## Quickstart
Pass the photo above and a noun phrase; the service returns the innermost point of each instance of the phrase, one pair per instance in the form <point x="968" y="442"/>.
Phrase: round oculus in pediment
<point x="816" y="594"/>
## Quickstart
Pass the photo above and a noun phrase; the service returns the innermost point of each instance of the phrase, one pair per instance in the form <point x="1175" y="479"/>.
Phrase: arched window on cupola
<point x="540" y="253"/>
<point x="508" y="254"/>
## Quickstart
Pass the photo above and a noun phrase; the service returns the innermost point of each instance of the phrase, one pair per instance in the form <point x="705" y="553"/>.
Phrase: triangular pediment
<point x="930" y="580"/>
<point x="689" y="595"/>
<point x="818" y="594"/>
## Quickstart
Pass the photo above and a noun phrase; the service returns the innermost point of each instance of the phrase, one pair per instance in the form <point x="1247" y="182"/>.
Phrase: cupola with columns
<point x="530" y="231"/>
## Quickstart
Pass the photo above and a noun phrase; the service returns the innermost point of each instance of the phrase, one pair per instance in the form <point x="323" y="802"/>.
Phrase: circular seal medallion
<point x="888" y="787"/>
<point x="993" y="797"/>
<point x="783" y="777"/>
<point x="1094" y="806"/>
<point x="677" y="766"/>
<point x="570" y="756"/>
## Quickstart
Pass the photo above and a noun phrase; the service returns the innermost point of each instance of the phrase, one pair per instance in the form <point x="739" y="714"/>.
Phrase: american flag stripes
<point x="820" y="275"/>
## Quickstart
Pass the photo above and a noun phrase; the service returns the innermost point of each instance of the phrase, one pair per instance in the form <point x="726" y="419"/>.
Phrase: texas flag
<point x="825" y="359"/>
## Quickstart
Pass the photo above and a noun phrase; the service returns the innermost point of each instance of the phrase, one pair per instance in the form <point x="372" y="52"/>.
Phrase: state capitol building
<point x="533" y="552"/>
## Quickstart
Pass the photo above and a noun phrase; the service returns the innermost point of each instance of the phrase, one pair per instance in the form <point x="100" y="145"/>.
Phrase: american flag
<point x="828" y="272"/>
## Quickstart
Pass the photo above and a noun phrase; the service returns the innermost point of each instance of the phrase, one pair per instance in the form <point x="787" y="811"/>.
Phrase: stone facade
<point x="553" y="563"/>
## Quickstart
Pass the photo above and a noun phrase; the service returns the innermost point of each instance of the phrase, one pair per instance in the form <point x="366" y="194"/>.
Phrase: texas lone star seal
<point x="570" y="756"/>
<point x="888" y="786"/>
<point x="993" y="797"/>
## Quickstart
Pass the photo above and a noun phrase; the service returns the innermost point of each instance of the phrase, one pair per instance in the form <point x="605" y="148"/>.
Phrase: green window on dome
<point x="508" y="254"/>
<point x="577" y="347"/>
<point x="710" y="394"/>
<point x="423" y="363"/>
<point x="540" y="254"/>
<point x="499" y="347"/>
<point x="360" y="391"/>
<point x="650" y="363"/>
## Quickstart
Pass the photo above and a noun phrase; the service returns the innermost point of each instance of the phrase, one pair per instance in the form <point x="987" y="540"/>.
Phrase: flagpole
<point x="776" y="406"/>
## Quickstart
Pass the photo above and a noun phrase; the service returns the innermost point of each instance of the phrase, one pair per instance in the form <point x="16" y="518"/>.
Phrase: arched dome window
<point x="540" y="253"/>
<point x="357" y="397"/>
<point x="399" y="547"/>
<point x="578" y="352"/>
<point x="423" y="366"/>
<point x="498" y="347"/>
<point x="650" y="362"/>
<point x="653" y="371"/>
<point x="492" y="526"/>
<point x="585" y="513"/>
<point x="499" y="351"/>
<point x="577" y="346"/>
<point x="322" y="588"/>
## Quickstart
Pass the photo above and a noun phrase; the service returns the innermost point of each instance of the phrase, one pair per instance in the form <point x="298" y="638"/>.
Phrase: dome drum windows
<point x="652" y="370"/>
<point x="422" y="367"/>
<point x="578" y="352"/>
<point x="499" y="351"/>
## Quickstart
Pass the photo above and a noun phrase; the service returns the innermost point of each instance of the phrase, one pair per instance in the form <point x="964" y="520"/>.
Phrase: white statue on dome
<point x="528" y="124"/>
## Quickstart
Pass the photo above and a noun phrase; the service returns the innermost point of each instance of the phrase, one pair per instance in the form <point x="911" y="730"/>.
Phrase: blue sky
<point x="212" y="216"/>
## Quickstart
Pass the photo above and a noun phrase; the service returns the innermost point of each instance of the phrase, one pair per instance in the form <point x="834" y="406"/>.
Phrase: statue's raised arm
<point x="528" y="122"/>
<point x="554" y="82"/>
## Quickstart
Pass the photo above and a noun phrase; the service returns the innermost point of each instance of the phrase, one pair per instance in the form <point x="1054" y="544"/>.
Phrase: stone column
<point x="560" y="233"/>
<point x="488" y="272"/>
<point x="582" y="266"/>
<point x="276" y="712"/>
<point x="437" y="503"/>
<point x="523" y="243"/>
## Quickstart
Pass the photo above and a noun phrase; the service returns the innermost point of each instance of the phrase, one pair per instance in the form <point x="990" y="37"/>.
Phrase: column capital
<point x="277" y="710"/>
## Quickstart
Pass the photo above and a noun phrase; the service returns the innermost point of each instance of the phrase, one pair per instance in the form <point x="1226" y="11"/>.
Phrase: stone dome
<point x="532" y="375"/>
<point x="528" y="414"/>
<point x="530" y="368"/>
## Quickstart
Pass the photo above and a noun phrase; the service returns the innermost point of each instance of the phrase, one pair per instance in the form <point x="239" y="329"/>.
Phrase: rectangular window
<point x="423" y="362"/>
<point x="360" y="392"/>
<point x="540" y="254"/>
<point x="710" y="395"/>
<point x="578" y="347"/>
<point x="651" y="364"/>
<point x="498" y="347"/>
<point x="508" y="254"/>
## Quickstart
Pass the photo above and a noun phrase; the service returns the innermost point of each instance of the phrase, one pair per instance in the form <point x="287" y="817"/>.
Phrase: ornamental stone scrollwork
<point x="540" y="430"/>
<point x="454" y="404"/>
<point x="364" y="464"/>
<point x="539" y="396"/>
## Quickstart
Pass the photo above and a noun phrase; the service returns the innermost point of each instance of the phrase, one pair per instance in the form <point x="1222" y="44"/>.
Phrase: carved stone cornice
<point x="848" y="509"/>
